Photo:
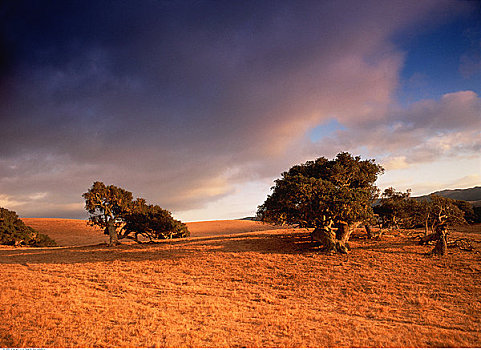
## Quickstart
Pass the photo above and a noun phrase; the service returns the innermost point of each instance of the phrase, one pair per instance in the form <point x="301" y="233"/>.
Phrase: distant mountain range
<point x="472" y="195"/>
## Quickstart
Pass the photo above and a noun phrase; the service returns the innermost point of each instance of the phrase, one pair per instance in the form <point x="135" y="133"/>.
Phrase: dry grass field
<point x="225" y="287"/>
<point x="68" y="232"/>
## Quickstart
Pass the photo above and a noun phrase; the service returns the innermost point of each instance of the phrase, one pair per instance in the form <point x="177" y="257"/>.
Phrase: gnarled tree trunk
<point x="332" y="241"/>
<point x="343" y="234"/>
<point x="440" y="236"/>
<point x="368" y="229"/>
<point x="441" y="246"/>
<point x="326" y="237"/>
<point x="112" y="232"/>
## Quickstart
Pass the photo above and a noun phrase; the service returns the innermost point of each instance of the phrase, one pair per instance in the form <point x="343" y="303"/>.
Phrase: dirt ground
<point x="270" y="288"/>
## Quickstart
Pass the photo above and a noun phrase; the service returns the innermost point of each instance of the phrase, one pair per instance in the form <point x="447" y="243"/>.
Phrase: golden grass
<point x="259" y="289"/>
<point x="70" y="232"/>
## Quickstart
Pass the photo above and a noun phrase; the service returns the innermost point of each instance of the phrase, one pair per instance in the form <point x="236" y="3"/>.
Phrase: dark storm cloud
<point x="174" y="99"/>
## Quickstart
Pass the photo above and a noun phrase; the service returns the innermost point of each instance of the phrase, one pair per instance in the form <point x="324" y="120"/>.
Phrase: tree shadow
<point x="265" y="242"/>
<point x="389" y="246"/>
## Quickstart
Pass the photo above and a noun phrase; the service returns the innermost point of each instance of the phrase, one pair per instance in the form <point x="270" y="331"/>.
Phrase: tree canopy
<point x="332" y="196"/>
<point x="396" y="209"/>
<point x="107" y="206"/>
<point x="152" y="222"/>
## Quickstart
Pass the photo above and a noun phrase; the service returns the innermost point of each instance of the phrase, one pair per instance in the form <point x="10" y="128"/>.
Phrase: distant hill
<point x="250" y="218"/>
<point x="472" y="195"/>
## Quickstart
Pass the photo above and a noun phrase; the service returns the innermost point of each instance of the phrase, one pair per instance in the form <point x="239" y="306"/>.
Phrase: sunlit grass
<point x="259" y="289"/>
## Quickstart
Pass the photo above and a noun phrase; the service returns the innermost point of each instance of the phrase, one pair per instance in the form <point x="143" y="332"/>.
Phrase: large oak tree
<point x="331" y="196"/>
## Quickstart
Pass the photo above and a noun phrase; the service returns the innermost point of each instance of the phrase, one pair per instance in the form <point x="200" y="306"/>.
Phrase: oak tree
<point x="395" y="209"/>
<point x="443" y="213"/>
<point x="331" y="196"/>
<point x="113" y="209"/>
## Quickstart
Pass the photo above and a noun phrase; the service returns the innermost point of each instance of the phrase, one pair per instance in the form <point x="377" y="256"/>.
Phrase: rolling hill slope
<point x="70" y="232"/>
<point x="472" y="195"/>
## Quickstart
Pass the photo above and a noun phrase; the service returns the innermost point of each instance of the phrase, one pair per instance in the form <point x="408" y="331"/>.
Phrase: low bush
<point x="13" y="231"/>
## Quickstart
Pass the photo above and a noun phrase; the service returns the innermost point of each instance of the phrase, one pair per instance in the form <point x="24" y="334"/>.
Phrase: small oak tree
<point x="422" y="215"/>
<point x="467" y="209"/>
<point x="443" y="213"/>
<point x="395" y="209"/>
<point x="331" y="196"/>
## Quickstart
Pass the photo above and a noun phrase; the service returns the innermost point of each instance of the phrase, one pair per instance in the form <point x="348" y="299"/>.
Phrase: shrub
<point x="13" y="231"/>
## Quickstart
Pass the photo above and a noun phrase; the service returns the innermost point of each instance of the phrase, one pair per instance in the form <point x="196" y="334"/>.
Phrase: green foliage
<point x="323" y="192"/>
<point x="396" y="209"/>
<point x="436" y="211"/>
<point x="468" y="211"/>
<point x="444" y="211"/>
<point x="152" y="222"/>
<point x="106" y="204"/>
<point x="13" y="231"/>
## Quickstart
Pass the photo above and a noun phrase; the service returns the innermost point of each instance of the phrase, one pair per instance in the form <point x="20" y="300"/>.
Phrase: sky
<point x="198" y="106"/>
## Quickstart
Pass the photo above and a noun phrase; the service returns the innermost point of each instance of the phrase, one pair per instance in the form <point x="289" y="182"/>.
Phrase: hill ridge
<point x="471" y="194"/>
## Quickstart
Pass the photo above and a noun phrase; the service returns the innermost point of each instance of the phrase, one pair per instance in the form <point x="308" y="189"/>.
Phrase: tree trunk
<point x="114" y="239"/>
<point x="342" y="235"/>
<point x="426" y="226"/>
<point x="344" y="232"/>
<point x="367" y="227"/>
<point x="326" y="237"/>
<point x="441" y="246"/>
<point x="335" y="242"/>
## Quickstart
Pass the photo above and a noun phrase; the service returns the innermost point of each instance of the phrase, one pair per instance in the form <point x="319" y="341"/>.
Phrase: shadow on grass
<point x="274" y="242"/>
<point x="389" y="247"/>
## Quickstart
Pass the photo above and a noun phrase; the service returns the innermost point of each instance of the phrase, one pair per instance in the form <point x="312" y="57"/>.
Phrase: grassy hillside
<point x="472" y="195"/>
<point x="68" y="232"/>
<point x="254" y="289"/>
<point x="468" y="194"/>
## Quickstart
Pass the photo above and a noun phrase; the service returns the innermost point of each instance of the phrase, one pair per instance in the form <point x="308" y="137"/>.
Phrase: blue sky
<point x="199" y="106"/>
<point x="434" y="59"/>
